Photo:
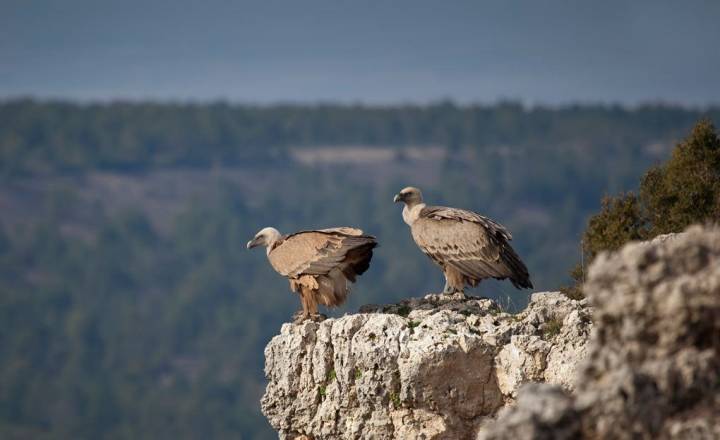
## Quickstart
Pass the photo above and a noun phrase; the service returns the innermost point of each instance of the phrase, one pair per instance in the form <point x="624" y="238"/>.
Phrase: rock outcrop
<point x="432" y="368"/>
<point x="653" y="365"/>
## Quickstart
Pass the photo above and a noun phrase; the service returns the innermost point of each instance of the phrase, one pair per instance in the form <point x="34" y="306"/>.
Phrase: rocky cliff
<point x="433" y="367"/>
<point x="653" y="365"/>
<point x="444" y="367"/>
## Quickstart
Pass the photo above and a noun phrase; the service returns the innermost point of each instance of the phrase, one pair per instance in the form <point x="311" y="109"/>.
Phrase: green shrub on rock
<point x="672" y="196"/>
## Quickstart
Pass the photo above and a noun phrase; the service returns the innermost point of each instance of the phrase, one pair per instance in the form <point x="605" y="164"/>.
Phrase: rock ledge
<point x="433" y="367"/>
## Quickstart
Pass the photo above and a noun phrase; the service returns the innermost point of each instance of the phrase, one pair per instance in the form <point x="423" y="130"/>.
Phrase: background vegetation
<point x="129" y="307"/>
<point x="672" y="196"/>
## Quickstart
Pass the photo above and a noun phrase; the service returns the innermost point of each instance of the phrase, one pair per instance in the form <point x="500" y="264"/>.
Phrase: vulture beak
<point x="397" y="198"/>
<point x="253" y="243"/>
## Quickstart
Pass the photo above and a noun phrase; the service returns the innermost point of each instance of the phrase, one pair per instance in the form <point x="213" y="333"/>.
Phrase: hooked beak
<point x="253" y="243"/>
<point x="397" y="198"/>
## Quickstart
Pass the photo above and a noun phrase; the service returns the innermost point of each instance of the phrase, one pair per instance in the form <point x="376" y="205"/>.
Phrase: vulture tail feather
<point x="358" y="260"/>
<point x="520" y="278"/>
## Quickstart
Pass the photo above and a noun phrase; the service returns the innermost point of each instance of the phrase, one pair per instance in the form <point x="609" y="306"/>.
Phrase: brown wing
<point x="318" y="252"/>
<point x="475" y="245"/>
<point x="445" y="213"/>
<point x="345" y="230"/>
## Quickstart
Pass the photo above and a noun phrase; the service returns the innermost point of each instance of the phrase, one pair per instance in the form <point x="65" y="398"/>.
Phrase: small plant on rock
<point x="552" y="328"/>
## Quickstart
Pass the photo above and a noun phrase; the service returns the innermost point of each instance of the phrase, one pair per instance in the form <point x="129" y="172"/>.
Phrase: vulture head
<point x="410" y="196"/>
<point x="265" y="237"/>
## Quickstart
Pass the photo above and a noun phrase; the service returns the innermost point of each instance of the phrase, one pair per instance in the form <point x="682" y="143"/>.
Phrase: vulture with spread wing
<point x="467" y="246"/>
<point x="320" y="264"/>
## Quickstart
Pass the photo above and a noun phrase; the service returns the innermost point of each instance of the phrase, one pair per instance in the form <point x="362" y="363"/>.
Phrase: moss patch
<point x="403" y="311"/>
<point x="552" y="328"/>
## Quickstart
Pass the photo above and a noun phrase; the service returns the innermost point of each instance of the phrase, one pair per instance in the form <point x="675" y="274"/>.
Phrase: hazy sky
<point x="371" y="51"/>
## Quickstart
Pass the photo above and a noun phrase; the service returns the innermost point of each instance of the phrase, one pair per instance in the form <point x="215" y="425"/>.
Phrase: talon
<point x="460" y="295"/>
<point x="318" y="317"/>
<point x="299" y="317"/>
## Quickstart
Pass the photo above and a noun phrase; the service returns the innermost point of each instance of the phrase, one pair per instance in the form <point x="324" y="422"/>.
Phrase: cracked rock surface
<point x="653" y="363"/>
<point x="433" y="367"/>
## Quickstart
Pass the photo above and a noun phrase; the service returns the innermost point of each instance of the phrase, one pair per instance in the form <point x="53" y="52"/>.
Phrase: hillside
<point x="128" y="303"/>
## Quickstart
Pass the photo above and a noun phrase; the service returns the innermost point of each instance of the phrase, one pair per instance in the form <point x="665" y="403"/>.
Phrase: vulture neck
<point x="412" y="213"/>
<point x="271" y="245"/>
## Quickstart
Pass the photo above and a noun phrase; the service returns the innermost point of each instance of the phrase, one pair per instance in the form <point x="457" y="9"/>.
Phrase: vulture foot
<point x="448" y="290"/>
<point x="300" y="316"/>
<point x="456" y="295"/>
<point x="318" y="317"/>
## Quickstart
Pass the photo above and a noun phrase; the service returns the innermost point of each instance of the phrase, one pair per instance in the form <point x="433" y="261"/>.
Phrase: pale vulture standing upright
<point x="320" y="264"/>
<point x="467" y="246"/>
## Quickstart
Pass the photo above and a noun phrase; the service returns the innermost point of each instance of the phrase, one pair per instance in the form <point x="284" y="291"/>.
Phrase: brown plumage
<point x="467" y="246"/>
<point x="320" y="264"/>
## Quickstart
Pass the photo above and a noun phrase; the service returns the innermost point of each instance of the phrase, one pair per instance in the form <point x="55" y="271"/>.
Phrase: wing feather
<point x="471" y="243"/>
<point x="316" y="252"/>
<point x="445" y="213"/>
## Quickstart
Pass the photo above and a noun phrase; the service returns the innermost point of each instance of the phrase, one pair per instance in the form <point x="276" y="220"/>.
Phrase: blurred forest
<point x="129" y="306"/>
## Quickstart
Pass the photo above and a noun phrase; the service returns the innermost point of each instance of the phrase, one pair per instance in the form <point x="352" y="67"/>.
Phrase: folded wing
<point x="474" y="245"/>
<point x="324" y="261"/>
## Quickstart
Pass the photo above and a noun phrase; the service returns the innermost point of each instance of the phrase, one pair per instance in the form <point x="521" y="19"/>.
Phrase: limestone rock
<point x="433" y="367"/>
<point x="653" y="364"/>
<point x="549" y="339"/>
<point x="544" y="412"/>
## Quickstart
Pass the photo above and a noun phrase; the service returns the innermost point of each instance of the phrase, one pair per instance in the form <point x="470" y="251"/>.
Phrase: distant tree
<point x="686" y="189"/>
<point x="672" y="196"/>
<point x="620" y="220"/>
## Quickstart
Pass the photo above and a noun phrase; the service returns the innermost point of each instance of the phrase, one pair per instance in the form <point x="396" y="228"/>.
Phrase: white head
<point x="410" y="196"/>
<point x="265" y="237"/>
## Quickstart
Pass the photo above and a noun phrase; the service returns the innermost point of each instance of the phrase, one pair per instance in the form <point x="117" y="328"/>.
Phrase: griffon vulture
<point x="467" y="246"/>
<point x="319" y="264"/>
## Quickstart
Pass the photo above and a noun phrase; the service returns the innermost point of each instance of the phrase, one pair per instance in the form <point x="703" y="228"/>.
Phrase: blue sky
<point x="548" y="52"/>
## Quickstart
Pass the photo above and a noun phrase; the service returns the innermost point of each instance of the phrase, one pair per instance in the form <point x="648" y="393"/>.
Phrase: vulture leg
<point x="312" y="306"/>
<point x="309" y="307"/>
<point x="302" y="315"/>
<point x="454" y="281"/>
